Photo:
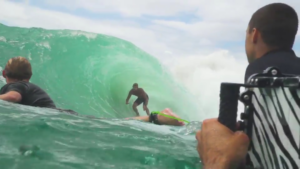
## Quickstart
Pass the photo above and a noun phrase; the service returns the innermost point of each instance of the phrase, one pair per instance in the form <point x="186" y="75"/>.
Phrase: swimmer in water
<point x="142" y="98"/>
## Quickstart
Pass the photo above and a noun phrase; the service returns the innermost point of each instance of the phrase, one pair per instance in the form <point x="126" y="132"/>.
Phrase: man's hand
<point x="127" y="102"/>
<point x="219" y="147"/>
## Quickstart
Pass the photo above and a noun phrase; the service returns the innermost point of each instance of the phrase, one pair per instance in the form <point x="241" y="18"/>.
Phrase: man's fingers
<point x="240" y="138"/>
<point x="208" y="123"/>
<point x="238" y="124"/>
<point x="199" y="151"/>
<point x="198" y="135"/>
<point x="199" y="145"/>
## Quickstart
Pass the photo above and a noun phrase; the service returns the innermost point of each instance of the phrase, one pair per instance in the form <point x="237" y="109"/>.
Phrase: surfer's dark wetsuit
<point x="285" y="60"/>
<point x="32" y="95"/>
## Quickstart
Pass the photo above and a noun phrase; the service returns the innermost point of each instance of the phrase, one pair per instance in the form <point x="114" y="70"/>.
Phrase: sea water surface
<point x="91" y="74"/>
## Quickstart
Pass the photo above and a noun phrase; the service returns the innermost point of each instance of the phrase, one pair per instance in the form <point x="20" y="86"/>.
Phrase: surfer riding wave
<point x="142" y="98"/>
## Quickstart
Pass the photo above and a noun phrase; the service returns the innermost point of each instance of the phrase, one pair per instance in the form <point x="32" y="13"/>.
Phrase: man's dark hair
<point x="277" y="23"/>
<point x="135" y="84"/>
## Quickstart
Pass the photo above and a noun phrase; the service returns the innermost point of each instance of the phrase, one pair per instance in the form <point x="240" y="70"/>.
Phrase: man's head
<point x="17" y="69"/>
<point x="273" y="26"/>
<point x="135" y="86"/>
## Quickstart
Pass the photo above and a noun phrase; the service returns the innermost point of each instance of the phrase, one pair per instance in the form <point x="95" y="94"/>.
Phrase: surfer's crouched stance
<point x="17" y="73"/>
<point x="142" y="98"/>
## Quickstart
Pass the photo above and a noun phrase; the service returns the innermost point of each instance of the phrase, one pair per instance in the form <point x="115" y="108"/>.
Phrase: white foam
<point x="44" y="44"/>
<point x="88" y="35"/>
<point x="2" y="38"/>
<point x="2" y="79"/>
<point x="202" y="76"/>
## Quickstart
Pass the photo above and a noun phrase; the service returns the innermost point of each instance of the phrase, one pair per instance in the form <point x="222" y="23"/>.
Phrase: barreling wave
<point x="92" y="73"/>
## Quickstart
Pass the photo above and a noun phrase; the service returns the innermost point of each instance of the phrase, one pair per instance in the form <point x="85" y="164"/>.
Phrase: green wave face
<point x="91" y="74"/>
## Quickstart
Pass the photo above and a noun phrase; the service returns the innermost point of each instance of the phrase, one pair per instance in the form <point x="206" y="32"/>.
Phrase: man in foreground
<point x="142" y="98"/>
<point x="18" y="89"/>
<point x="270" y="37"/>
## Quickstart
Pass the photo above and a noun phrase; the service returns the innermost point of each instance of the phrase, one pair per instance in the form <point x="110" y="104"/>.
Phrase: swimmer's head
<point x="135" y="86"/>
<point x="17" y="69"/>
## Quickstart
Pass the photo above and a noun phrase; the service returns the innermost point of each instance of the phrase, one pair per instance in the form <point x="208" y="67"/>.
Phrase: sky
<point x="164" y="28"/>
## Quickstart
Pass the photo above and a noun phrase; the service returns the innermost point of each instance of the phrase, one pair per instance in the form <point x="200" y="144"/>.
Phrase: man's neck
<point x="14" y="80"/>
<point x="263" y="50"/>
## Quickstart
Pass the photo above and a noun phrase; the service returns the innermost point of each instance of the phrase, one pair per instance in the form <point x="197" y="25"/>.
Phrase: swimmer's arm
<point x="143" y="118"/>
<point x="129" y="95"/>
<point x="11" y="96"/>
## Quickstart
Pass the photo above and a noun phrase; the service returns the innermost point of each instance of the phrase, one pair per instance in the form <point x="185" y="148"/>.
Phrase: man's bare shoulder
<point x="141" y="89"/>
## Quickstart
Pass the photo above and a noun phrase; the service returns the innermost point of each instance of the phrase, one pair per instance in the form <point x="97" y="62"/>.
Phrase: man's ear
<point x="4" y="74"/>
<point x="255" y="35"/>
